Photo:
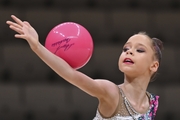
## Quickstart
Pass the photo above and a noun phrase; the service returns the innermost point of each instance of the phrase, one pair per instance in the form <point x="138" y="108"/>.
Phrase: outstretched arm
<point x="97" y="88"/>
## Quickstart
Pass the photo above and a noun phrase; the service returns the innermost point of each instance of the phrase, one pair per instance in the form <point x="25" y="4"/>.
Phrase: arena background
<point x="30" y="90"/>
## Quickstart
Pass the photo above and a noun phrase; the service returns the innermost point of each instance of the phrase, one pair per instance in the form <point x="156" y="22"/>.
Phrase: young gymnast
<point x="139" y="61"/>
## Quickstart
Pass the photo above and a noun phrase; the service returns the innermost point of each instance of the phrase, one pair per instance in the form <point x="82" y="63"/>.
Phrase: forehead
<point x="139" y="40"/>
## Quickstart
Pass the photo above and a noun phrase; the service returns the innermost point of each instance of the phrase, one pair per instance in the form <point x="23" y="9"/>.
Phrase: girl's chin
<point x="128" y="72"/>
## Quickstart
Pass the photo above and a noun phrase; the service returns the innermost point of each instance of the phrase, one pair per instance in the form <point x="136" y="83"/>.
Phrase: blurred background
<point x="30" y="90"/>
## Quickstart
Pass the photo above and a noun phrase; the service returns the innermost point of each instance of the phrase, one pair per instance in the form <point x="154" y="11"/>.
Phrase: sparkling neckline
<point x="137" y="115"/>
<point x="150" y="97"/>
<point x="116" y="115"/>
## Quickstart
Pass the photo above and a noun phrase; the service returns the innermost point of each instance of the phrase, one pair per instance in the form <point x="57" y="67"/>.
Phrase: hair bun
<point x="159" y="43"/>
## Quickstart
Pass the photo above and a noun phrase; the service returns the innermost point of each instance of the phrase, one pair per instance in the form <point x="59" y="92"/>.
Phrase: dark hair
<point x="157" y="46"/>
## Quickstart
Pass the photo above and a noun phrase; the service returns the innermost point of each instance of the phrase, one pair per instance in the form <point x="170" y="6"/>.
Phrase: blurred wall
<point x="30" y="90"/>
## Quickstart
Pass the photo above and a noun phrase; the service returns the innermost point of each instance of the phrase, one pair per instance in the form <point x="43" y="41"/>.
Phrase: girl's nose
<point x="129" y="52"/>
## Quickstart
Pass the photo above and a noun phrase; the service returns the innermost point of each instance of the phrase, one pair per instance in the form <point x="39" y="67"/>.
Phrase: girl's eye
<point x="125" y="49"/>
<point x="140" y="51"/>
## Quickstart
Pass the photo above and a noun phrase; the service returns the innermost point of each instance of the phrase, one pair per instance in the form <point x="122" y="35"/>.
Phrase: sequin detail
<point x="149" y="115"/>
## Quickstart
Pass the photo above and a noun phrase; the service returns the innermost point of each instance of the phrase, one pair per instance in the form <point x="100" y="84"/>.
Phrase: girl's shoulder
<point x="153" y="98"/>
<point x="154" y="102"/>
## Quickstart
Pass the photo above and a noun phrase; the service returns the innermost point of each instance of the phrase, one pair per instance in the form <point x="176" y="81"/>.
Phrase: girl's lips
<point x="128" y="61"/>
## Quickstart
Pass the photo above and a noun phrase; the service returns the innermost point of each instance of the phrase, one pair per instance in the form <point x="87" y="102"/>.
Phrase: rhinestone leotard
<point x="123" y="114"/>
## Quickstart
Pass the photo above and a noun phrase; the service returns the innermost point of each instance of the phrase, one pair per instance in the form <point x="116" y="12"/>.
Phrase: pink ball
<point x="71" y="42"/>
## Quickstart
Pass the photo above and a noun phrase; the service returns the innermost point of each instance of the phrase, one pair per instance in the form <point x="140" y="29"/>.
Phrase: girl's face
<point x="137" y="57"/>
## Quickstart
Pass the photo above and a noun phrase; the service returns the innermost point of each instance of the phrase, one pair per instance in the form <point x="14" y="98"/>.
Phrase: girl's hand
<point x="24" y="30"/>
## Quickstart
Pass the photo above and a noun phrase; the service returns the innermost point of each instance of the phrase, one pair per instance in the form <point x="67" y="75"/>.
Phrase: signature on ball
<point x="63" y="44"/>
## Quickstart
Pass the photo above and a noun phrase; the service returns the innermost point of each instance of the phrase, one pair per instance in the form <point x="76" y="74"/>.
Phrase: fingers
<point x="17" y="20"/>
<point x="20" y="36"/>
<point x="17" y="29"/>
<point x="18" y="26"/>
<point x="13" y="24"/>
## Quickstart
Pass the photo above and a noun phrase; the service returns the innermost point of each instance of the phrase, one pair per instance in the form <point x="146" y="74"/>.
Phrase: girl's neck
<point x="135" y="90"/>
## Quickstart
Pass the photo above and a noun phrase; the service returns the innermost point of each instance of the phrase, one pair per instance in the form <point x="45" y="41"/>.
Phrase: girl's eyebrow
<point x="138" y="44"/>
<point x="142" y="45"/>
